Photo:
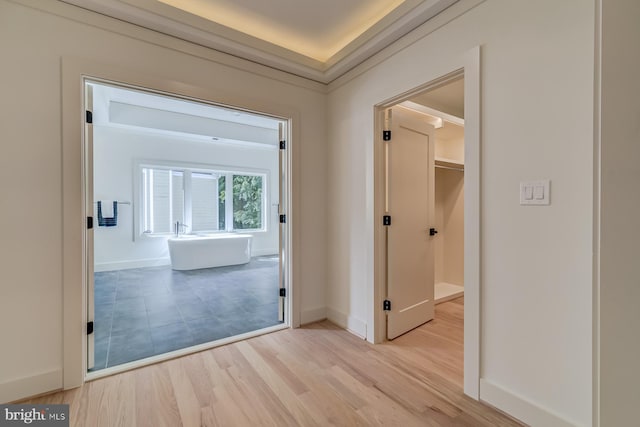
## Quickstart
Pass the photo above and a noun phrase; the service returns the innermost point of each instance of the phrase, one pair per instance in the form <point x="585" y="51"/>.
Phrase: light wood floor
<point x="313" y="376"/>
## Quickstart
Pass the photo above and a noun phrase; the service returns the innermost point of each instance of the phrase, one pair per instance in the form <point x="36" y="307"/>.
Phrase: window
<point x="205" y="200"/>
<point x="163" y="199"/>
<point x="247" y="202"/>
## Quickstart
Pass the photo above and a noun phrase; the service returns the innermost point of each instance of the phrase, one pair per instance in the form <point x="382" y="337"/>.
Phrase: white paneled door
<point x="410" y="204"/>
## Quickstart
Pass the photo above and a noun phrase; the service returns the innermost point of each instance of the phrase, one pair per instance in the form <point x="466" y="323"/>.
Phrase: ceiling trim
<point x="457" y="9"/>
<point x="168" y="20"/>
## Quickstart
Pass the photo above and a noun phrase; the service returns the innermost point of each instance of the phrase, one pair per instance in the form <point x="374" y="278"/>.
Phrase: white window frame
<point x="188" y="168"/>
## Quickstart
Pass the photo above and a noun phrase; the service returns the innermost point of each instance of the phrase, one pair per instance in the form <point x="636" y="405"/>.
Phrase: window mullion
<point x="228" y="206"/>
<point x="188" y="199"/>
<point x="151" y="204"/>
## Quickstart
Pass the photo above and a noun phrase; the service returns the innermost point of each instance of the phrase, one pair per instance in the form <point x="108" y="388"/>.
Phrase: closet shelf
<point x="449" y="164"/>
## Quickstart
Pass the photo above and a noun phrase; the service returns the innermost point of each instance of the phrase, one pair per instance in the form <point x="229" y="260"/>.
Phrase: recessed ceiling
<point x="317" y="39"/>
<point x="325" y="28"/>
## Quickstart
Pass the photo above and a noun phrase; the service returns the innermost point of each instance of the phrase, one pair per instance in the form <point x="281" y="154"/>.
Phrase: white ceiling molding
<point x="166" y="19"/>
<point x="432" y="112"/>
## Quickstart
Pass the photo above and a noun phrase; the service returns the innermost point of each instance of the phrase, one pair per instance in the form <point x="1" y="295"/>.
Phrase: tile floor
<point x="149" y="311"/>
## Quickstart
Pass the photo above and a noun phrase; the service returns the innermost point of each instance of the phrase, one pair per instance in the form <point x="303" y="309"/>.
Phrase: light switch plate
<point x="535" y="192"/>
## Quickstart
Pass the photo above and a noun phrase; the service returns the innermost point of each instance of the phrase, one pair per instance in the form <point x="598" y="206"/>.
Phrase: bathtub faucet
<point x="180" y="228"/>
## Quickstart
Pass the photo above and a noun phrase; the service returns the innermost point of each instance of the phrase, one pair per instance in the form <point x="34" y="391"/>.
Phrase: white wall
<point x="33" y="43"/>
<point x="536" y="330"/>
<point x="620" y="212"/>
<point x="115" y="152"/>
<point x="449" y="207"/>
<point x="449" y="212"/>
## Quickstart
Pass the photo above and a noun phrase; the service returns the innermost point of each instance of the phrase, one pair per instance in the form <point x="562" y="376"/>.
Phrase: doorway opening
<point x="186" y="236"/>
<point x="420" y="199"/>
<point x="443" y="107"/>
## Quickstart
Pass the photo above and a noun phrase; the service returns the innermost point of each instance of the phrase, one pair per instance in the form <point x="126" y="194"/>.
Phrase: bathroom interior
<point x="186" y="242"/>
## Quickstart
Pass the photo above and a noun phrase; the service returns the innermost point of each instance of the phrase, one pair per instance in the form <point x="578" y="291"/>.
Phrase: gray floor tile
<point x="130" y="321"/>
<point x="207" y="329"/>
<point x="129" y="305"/>
<point x="160" y="302"/>
<point x="100" y="353"/>
<point x="128" y="292"/>
<point x="148" y="311"/>
<point x="127" y="347"/>
<point x="194" y="311"/>
<point x="171" y="337"/>
<point x="163" y="317"/>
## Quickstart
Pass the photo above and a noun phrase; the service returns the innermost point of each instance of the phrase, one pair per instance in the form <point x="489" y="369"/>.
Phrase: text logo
<point x="34" y="415"/>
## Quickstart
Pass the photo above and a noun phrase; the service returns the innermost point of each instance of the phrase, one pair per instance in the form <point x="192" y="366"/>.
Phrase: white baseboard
<point x="125" y="265"/>
<point x="264" y="252"/>
<point x="159" y="262"/>
<point x="313" y="315"/>
<point x="519" y="408"/>
<point x="21" y="388"/>
<point x="350" y="323"/>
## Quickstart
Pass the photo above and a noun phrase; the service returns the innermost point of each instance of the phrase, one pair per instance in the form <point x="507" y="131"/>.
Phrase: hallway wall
<point x="35" y="38"/>
<point x="536" y="262"/>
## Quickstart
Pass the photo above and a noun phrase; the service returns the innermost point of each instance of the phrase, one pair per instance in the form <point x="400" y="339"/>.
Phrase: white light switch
<point x="538" y="192"/>
<point x="528" y="192"/>
<point x="535" y="192"/>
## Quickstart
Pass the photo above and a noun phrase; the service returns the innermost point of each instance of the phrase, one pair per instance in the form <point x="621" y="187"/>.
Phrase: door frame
<point x="74" y="248"/>
<point x="470" y="69"/>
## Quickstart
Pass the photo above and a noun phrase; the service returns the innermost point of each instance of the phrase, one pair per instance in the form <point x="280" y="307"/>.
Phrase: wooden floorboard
<point x="317" y="375"/>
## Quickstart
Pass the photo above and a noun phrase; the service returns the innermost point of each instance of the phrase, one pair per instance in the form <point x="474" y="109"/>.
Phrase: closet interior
<point x="449" y="212"/>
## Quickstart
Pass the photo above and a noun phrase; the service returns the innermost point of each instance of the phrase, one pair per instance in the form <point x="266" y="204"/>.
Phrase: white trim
<point x="352" y="324"/>
<point x="520" y="408"/>
<point x="468" y="65"/>
<point x="159" y="262"/>
<point x="187" y="26"/>
<point x="597" y="213"/>
<point x="472" y="221"/>
<point x="137" y="263"/>
<point x="432" y="112"/>
<point x="21" y="388"/>
<point x="313" y="315"/>
<point x="454" y="11"/>
<point x="264" y="251"/>
<point x="137" y="32"/>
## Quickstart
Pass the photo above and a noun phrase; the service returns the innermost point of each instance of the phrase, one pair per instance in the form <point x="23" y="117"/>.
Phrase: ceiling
<point x="319" y="40"/>
<point x="448" y="99"/>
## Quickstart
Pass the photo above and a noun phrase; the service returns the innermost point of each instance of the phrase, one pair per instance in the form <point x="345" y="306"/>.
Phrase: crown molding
<point x="157" y="16"/>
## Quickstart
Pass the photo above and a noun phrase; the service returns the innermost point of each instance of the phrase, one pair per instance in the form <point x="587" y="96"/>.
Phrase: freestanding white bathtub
<point x="190" y="252"/>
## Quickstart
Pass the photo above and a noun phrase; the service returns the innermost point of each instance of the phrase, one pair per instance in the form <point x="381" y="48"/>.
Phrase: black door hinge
<point x="386" y="220"/>
<point x="386" y="305"/>
<point x="433" y="232"/>
<point x="283" y="219"/>
<point x="283" y="145"/>
<point x="89" y="222"/>
<point x="283" y="292"/>
<point x="89" y="328"/>
<point x="386" y="135"/>
<point x="89" y="116"/>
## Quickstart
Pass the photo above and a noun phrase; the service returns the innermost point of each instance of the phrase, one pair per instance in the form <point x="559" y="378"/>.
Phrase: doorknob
<point x="433" y="232"/>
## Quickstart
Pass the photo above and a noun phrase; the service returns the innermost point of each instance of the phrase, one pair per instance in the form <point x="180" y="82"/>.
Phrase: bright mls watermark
<point x="34" y="415"/>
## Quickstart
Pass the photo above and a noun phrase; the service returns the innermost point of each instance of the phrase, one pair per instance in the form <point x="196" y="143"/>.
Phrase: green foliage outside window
<point x="221" y="202"/>
<point x="247" y="202"/>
